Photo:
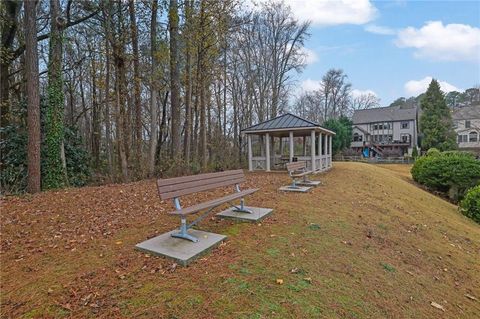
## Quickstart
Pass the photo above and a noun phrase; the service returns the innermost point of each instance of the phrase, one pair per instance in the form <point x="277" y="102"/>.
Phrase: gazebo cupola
<point x="307" y="141"/>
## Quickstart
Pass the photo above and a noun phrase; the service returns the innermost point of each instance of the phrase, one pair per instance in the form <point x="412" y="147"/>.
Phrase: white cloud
<point x="310" y="85"/>
<point x="378" y="29"/>
<point x="414" y="87"/>
<point x="310" y="56"/>
<point x="329" y="12"/>
<point x="356" y="93"/>
<point x="451" y="42"/>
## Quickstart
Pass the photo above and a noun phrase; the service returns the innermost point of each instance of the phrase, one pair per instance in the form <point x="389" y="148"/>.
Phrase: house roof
<point x="361" y="130"/>
<point x="284" y="122"/>
<point x="381" y="114"/>
<point x="466" y="112"/>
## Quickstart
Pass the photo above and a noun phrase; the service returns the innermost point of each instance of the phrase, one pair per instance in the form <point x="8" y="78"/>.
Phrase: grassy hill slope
<point x="366" y="244"/>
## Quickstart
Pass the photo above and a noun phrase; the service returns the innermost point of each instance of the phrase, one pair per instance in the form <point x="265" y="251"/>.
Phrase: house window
<point x="404" y="125"/>
<point x="405" y="138"/>
<point x="357" y="137"/>
<point x="473" y="136"/>
<point x="467" y="124"/>
<point x="462" y="138"/>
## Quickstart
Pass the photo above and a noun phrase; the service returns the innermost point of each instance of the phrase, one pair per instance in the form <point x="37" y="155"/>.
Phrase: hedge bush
<point x="470" y="205"/>
<point x="433" y="152"/>
<point x="449" y="172"/>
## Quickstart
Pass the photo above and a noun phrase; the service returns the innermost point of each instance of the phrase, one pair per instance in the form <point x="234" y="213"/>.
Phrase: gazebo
<point x="266" y="144"/>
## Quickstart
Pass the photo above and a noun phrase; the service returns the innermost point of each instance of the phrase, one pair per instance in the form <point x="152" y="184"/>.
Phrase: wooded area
<point x="130" y="89"/>
<point x="123" y="90"/>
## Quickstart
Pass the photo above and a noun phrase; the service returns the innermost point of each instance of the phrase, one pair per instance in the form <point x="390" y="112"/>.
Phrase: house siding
<point x="462" y="130"/>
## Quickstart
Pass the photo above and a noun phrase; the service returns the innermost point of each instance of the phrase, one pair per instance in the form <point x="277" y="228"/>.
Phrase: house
<point x="466" y="121"/>
<point x="385" y="131"/>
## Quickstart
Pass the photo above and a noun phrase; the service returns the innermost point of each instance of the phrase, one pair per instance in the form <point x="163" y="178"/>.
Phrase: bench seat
<point x="301" y="174"/>
<point x="213" y="203"/>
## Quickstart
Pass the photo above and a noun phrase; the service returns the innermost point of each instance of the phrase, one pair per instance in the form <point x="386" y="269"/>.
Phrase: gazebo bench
<point x="174" y="188"/>
<point x="298" y="170"/>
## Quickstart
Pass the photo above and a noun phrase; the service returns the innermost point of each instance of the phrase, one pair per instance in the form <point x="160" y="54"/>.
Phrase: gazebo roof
<point x="285" y="122"/>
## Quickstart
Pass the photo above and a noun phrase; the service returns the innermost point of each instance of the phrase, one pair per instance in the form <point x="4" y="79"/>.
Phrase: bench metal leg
<point x="242" y="208"/>
<point x="183" y="232"/>
<point x="294" y="184"/>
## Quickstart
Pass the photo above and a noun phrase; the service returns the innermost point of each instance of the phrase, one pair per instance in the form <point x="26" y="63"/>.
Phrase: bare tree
<point x="136" y="80"/>
<point x="33" y="97"/>
<point x="153" y="89"/>
<point x="336" y="93"/>
<point x="364" y="101"/>
<point x="174" y="77"/>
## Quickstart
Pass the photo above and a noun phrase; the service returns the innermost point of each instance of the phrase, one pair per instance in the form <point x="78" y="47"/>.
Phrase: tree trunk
<point x="188" y="82"/>
<point x="33" y="97"/>
<point x="8" y="29"/>
<point x="136" y="76"/>
<point x="108" y="126"/>
<point x="174" y="77"/>
<point x="95" y="136"/>
<point x="55" y="176"/>
<point x="153" y="91"/>
<point x="203" y="124"/>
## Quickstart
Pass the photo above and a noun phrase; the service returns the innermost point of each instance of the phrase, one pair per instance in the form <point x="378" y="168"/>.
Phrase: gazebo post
<point x="250" y="165"/>
<point x="320" y="149"/>
<point x="267" y="151"/>
<point x="281" y="146"/>
<point x="290" y="141"/>
<point x="313" y="149"/>
<point x="330" y="151"/>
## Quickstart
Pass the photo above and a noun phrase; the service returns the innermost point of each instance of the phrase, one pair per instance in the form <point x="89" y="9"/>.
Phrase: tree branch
<point x="18" y="52"/>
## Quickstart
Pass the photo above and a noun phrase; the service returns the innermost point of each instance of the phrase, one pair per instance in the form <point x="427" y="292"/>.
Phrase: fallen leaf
<point x="470" y="297"/>
<point x="280" y="281"/>
<point x="436" y="305"/>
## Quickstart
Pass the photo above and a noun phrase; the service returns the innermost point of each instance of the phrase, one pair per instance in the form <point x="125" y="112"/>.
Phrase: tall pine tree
<point x="436" y="121"/>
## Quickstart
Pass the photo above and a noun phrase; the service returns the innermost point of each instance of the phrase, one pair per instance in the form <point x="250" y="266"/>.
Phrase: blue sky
<point x="392" y="48"/>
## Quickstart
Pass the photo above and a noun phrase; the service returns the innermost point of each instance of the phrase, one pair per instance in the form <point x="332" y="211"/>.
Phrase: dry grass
<point x="366" y="244"/>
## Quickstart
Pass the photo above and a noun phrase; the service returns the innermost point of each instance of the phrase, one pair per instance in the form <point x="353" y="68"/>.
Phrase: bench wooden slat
<point x="190" y="184"/>
<point x="213" y="203"/>
<point x="296" y="166"/>
<point x="201" y="188"/>
<point x="301" y="174"/>
<point x="191" y="178"/>
<point x="179" y="186"/>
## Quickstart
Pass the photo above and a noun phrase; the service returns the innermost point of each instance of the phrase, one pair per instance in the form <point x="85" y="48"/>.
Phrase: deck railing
<point x="383" y="160"/>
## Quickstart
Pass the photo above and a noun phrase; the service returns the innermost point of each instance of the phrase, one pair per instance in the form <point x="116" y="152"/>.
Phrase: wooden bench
<point x="297" y="170"/>
<point x="174" y="188"/>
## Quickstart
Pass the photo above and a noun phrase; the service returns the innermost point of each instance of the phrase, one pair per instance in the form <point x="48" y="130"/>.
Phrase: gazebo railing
<point x="259" y="163"/>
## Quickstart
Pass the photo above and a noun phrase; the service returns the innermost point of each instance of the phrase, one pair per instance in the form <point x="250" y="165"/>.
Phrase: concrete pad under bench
<point x="181" y="250"/>
<point x="258" y="213"/>
<point x="309" y="183"/>
<point x="299" y="189"/>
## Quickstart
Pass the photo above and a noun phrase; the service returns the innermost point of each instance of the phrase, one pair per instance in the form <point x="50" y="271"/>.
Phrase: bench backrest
<point x="296" y="166"/>
<point x="179" y="186"/>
